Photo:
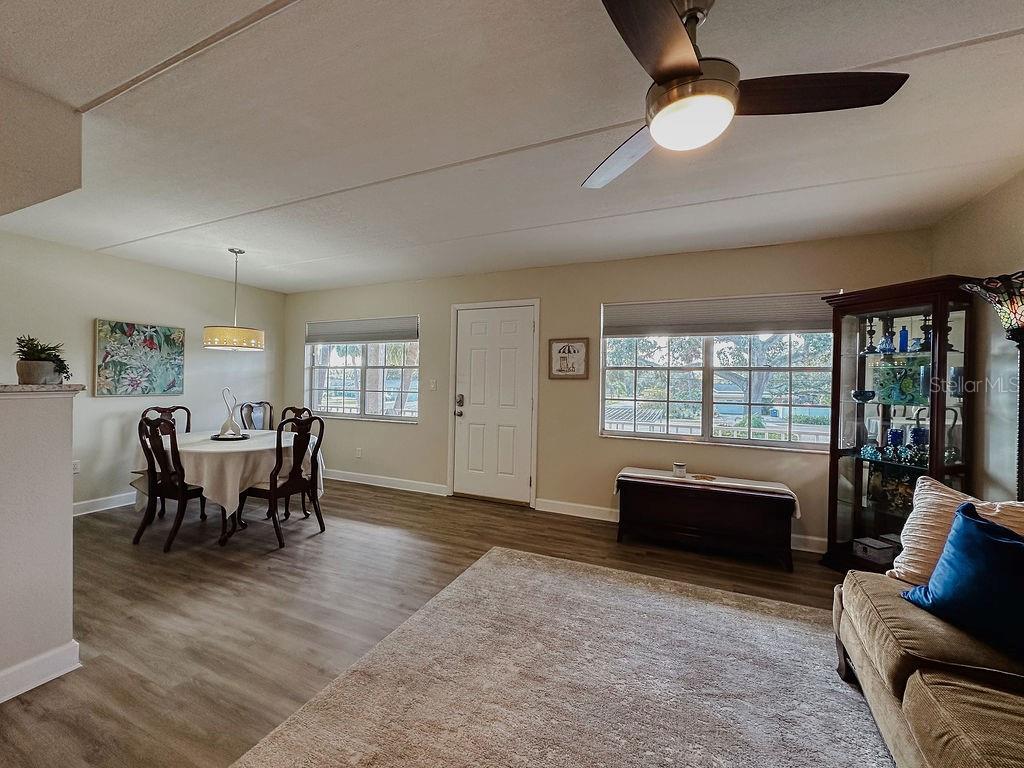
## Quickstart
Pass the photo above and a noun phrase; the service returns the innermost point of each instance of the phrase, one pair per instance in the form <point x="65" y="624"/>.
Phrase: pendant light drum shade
<point x="234" y="337"/>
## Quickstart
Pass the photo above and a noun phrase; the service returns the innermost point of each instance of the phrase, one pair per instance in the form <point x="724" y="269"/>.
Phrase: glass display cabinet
<point x="902" y="383"/>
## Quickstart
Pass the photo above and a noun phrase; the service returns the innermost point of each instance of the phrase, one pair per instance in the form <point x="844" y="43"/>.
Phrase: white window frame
<point x="362" y="368"/>
<point x="707" y="369"/>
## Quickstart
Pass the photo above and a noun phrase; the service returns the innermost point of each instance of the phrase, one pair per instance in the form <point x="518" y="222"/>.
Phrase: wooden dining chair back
<point x="165" y="475"/>
<point x="295" y="412"/>
<point x="257" y="414"/>
<point x="306" y="442"/>
<point x="163" y="460"/>
<point x="168" y="414"/>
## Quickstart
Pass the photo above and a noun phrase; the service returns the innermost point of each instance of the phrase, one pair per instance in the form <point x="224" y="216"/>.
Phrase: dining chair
<point x="167" y="414"/>
<point x="165" y="476"/>
<point x="248" y="411"/>
<point x="295" y="412"/>
<point x="305" y="442"/>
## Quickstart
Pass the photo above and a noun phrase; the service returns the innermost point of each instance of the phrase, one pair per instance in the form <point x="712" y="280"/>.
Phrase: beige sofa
<point x="941" y="698"/>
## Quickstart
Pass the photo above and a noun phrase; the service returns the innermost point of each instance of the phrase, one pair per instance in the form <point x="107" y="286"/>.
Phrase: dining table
<point x="226" y="468"/>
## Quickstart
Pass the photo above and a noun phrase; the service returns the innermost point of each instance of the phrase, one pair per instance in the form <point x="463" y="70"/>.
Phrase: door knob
<point x="458" y="413"/>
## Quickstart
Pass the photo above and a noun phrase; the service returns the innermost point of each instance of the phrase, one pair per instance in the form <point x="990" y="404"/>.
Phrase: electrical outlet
<point x="433" y="385"/>
<point x="76" y="466"/>
<point x="359" y="453"/>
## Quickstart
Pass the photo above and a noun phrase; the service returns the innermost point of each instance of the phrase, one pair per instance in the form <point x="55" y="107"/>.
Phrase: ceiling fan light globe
<point x="690" y="112"/>
<point x="692" y="122"/>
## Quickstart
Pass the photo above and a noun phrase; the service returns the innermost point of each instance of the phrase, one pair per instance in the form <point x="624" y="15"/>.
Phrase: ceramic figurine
<point x="230" y="426"/>
<point x="886" y="346"/>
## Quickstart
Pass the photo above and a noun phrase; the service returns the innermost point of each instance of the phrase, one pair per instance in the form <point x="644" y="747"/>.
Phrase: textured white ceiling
<point x="343" y="143"/>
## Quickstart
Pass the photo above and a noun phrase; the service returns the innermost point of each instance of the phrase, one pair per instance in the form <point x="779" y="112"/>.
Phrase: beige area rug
<point x="529" y="661"/>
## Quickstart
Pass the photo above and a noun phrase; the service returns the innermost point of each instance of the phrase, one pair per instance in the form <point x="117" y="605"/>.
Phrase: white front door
<point x="495" y="363"/>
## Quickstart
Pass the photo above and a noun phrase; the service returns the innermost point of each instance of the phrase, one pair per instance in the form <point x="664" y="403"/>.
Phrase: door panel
<point x="495" y="373"/>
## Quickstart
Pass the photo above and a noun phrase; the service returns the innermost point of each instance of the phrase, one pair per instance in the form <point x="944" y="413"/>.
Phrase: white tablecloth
<point x="666" y="476"/>
<point x="225" y="469"/>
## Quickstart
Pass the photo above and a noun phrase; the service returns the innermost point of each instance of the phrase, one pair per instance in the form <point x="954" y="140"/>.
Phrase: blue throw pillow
<point x="978" y="583"/>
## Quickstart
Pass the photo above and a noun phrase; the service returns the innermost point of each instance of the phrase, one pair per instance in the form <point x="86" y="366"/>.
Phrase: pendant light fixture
<point x="233" y="337"/>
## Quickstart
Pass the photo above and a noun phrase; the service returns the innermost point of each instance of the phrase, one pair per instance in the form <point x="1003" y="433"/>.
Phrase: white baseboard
<point x="40" y="669"/>
<point x="398" y="483"/>
<point x="107" y="502"/>
<point x="578" y="510"/>
<point x="817" y="544"/>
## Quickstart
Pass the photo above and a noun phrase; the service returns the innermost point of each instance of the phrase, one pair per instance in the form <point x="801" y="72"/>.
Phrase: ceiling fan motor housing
<point x="697" y="8"/>
<point x="718" y="77"/>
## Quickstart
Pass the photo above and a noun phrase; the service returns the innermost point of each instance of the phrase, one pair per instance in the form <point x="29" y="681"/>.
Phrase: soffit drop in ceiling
<point x="346" y="143"/>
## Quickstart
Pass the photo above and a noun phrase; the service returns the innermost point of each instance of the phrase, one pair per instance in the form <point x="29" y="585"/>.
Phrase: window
<point x="757" y="389"/>
<point x="364" y="368"/>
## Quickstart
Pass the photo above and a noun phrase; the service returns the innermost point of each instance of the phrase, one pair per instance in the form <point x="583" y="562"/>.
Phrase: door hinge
<point x="531" y="481"/>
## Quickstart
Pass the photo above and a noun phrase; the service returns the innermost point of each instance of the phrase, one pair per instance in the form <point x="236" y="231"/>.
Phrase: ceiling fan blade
<point x="621" y="160"/>
<point x="655" y="34"/>
<point x="822" y="92"/>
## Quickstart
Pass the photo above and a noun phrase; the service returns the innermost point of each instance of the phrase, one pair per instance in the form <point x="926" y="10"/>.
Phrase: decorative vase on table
<point x="230" y="427"/>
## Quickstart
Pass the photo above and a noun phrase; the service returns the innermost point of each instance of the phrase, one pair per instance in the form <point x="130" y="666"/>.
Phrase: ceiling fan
<point x="694" y="98"/>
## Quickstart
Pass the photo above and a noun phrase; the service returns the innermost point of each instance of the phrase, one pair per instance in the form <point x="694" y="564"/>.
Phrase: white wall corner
<point x="40" y="669"/>
<point x="382" y="481"/>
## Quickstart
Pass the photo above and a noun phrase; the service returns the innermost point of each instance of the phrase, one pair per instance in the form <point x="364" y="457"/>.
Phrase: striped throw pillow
<point x="926" y="530"/>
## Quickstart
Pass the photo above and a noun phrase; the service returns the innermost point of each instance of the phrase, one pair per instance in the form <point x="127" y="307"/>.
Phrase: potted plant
<point x="40" y="363"/>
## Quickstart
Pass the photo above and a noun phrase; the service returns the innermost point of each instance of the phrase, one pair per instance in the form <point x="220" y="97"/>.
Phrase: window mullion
<point x="362" y="380"/>
<point x="707" y="389"/>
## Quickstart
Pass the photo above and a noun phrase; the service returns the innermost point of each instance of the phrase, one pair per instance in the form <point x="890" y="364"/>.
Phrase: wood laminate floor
<point x="190" y="658"/>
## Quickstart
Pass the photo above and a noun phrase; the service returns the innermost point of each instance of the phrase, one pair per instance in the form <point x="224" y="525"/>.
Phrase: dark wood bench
<point x="707" y="517"/>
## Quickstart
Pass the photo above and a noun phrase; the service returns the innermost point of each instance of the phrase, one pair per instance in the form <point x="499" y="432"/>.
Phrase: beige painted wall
<point x="56" y="293"/>
<point x="987" y="238"/>
<point x="575" y="464"/>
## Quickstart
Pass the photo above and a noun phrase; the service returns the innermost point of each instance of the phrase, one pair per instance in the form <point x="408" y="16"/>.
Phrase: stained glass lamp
<point x="1006" y="294"/>
<point x="233" y="337"/>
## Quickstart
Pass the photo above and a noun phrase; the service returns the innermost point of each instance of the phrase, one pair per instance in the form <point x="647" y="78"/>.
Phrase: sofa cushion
<point x="924" y="534"/>
<point x="900" y="638"/>
<point x="977" y="583"/>
<point x="961" y="723"/>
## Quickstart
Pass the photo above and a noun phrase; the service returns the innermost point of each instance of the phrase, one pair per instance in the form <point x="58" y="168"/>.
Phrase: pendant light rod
<point x="238" y="252"/>
<point x="234" y="337"/>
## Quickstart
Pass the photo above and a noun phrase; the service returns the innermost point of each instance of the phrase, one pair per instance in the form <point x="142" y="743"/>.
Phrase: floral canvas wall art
<point x="139" y="359"/>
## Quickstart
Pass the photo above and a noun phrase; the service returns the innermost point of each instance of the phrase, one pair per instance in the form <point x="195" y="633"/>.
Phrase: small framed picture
<point x="569" y="359"/>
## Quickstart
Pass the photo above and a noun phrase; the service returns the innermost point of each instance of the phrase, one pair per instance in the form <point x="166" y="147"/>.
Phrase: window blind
<point x="734" y="314"/>
<point x="366" y="330"/>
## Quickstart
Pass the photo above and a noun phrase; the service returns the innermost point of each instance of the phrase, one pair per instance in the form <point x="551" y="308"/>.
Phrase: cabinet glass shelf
<point x="921" y="399"/>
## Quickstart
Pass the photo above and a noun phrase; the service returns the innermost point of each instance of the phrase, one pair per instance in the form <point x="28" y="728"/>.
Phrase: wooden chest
<point x="708" y="517"/>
